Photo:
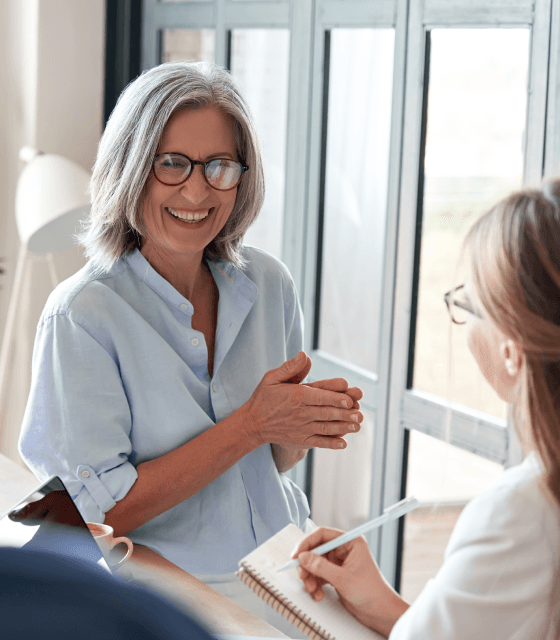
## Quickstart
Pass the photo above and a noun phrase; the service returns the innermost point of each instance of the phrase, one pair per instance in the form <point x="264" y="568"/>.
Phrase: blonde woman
<point x="501" y="571"/>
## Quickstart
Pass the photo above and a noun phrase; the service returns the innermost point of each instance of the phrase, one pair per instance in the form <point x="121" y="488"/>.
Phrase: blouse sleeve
<point x="293" y="319"/>
<point x="497" y="575"/>
<point x="77" y="421"/>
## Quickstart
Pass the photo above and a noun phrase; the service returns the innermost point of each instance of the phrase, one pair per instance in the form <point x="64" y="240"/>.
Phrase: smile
<point x="190" y="218"/>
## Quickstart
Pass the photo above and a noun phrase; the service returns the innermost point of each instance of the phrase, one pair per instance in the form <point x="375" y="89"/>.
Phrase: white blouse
<point x="500" y="575"/>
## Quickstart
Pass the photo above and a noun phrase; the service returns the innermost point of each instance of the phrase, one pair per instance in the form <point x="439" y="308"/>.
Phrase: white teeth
<point x="188" y="217"/>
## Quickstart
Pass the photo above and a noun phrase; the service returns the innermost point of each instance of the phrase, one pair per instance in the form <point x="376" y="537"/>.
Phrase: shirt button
<point x="194" y="342"/>
<point x="214" y="387"/>
<point x="85" y="474"/>
<point x="184" y="307"/>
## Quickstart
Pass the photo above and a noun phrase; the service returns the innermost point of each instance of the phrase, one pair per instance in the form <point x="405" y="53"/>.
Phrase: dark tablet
<point x="47" y="519"/>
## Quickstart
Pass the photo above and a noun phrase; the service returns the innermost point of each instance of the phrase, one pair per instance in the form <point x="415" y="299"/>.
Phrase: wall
<point x="51" y="79"/>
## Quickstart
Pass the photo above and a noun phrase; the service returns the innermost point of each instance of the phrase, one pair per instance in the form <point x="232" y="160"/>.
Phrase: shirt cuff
<point x="96" y="488"/>
<point x="97" y="496"/>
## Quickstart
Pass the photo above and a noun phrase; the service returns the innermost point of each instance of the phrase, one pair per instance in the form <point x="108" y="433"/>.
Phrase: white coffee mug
<point x="103" y="535"/>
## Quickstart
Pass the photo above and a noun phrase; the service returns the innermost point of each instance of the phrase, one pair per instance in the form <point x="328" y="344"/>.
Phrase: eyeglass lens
<point x="173" y="169"/>
<point x="459" y="301"/>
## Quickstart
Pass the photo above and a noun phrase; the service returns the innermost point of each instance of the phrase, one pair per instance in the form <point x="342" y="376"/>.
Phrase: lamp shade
<point x="50" y="202"/>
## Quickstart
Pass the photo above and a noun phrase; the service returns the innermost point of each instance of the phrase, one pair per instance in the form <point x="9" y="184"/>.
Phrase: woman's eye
<point x="174" y="163"/>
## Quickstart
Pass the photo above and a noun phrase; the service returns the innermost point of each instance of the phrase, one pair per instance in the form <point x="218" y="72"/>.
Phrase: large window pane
<point x="341" y="491"/>
<point x="259" y="62"/>
<point x="188" y="44"/>
<point x="357" y="155"/>
<point x="443" y="478"/>
<point x="476" y="115"/>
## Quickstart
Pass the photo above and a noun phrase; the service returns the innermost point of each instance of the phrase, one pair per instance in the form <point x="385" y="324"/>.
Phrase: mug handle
<point x="128" y="543"/>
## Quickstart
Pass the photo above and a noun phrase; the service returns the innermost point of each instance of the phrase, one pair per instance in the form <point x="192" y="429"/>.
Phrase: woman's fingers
<point x="298" y="415"/>
<point x="323" y="442"/>
<point x="337" y="384"/>
<point x="312" y="584"/>
<point x="321" y="569"/>
<point x="329" y="384"/>
<point x="302" y="374"/>
<point x="341" y="386"/>
<point x="355" y="393"/>
<point x="315" y="538"/>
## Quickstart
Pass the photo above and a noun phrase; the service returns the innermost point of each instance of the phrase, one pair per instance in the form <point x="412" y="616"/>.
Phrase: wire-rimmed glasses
<point x="459" y="305"/>
<point x="223" y="174"/>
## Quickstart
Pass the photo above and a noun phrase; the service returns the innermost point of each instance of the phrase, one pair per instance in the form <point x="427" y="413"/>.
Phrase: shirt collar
<point x="231" y="282"/>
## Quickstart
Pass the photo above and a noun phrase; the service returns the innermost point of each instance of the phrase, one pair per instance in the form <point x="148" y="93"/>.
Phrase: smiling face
<point x="200" y="134"/>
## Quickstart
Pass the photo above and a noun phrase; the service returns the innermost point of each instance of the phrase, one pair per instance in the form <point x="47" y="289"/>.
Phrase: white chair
<point x="51" y="199"/>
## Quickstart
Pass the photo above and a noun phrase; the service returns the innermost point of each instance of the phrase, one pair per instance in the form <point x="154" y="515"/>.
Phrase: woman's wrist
<point x="286" y="457"/>
<point x="247" y="426"/>
<point x="382" y="618"/>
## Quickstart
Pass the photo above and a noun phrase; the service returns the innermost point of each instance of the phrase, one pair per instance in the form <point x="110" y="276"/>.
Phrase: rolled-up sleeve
<point x="77" y="421"/>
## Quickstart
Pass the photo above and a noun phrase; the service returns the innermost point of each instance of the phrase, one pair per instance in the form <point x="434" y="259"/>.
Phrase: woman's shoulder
<point x="261" y="264"/>
<point x="516" y="504"/>
<point x="84" y="290"/>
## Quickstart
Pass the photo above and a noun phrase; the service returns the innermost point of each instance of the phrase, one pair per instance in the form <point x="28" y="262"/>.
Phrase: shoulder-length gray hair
<point x="128" y="146"/>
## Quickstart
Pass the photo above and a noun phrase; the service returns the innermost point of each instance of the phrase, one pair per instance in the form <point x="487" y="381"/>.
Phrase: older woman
<point x="165" y="373"/>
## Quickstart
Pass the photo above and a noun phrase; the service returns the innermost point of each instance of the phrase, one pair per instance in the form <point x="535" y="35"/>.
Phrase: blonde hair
<point x="128" y="146"/>
<point x="515" y="269"/>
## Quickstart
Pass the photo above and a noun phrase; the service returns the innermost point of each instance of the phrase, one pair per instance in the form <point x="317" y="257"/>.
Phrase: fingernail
<point x="352" y="427"/>
<point x="354" y="417"/>
<point x="345" y="404"/>
<point x="340" y="445"/>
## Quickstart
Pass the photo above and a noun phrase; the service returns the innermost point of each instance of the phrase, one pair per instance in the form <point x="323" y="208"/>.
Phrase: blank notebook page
<point x="285" y="592"/>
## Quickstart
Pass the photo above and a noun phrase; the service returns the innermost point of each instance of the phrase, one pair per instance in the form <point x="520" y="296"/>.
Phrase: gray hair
<point x="128" y="146"/>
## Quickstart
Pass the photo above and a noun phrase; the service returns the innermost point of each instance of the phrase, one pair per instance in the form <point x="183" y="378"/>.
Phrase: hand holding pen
<point x="391" y="513"/>
<point x="351" y="570"/>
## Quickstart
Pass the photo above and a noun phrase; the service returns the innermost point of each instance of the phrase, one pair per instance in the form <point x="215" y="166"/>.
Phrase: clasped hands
<point x="283" y="411"/>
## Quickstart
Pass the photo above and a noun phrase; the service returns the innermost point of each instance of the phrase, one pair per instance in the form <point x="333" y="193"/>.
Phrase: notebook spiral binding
<point x="284" y="607"/>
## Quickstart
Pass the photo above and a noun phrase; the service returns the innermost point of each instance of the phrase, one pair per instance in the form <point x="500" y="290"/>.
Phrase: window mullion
<point x="405" y="257"/>
<point x="297" y="145"/>
<point x="552" y="153"/>
<point x="537" y="92"/>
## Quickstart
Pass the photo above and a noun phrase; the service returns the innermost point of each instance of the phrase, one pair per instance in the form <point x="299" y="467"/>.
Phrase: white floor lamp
<point x="51" y="199"/>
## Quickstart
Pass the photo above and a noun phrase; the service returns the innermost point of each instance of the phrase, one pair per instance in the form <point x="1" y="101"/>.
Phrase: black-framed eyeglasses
<point x="459" y="305"/>
<point x="223" y="174"/>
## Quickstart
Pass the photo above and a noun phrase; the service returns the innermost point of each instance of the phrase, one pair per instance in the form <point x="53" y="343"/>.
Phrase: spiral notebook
<point x="325" y="620"/>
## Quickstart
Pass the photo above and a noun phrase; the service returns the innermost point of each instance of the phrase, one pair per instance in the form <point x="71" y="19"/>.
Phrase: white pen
<point x="390" y="513"/>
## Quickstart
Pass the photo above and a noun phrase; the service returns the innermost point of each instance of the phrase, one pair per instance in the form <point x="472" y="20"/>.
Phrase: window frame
<point x="410" y="408"/>
<point x="397" y="407"/>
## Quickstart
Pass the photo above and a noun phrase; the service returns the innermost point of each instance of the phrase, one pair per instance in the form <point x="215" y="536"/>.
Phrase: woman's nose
<point x="196" y="189"/>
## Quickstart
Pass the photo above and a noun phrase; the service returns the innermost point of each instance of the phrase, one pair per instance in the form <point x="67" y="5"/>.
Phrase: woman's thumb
<point x="320" y="567"/>
<point x="285" y="372"/>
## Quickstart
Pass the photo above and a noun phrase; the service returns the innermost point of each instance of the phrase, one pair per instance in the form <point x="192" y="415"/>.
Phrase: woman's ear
<point x="512" y="355"/>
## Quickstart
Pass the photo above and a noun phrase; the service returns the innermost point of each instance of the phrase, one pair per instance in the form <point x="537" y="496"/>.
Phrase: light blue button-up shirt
<point x="120" y="377"/>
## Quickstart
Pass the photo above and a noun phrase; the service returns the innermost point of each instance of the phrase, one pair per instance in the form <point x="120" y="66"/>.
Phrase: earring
<point x="511" y="368"/>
